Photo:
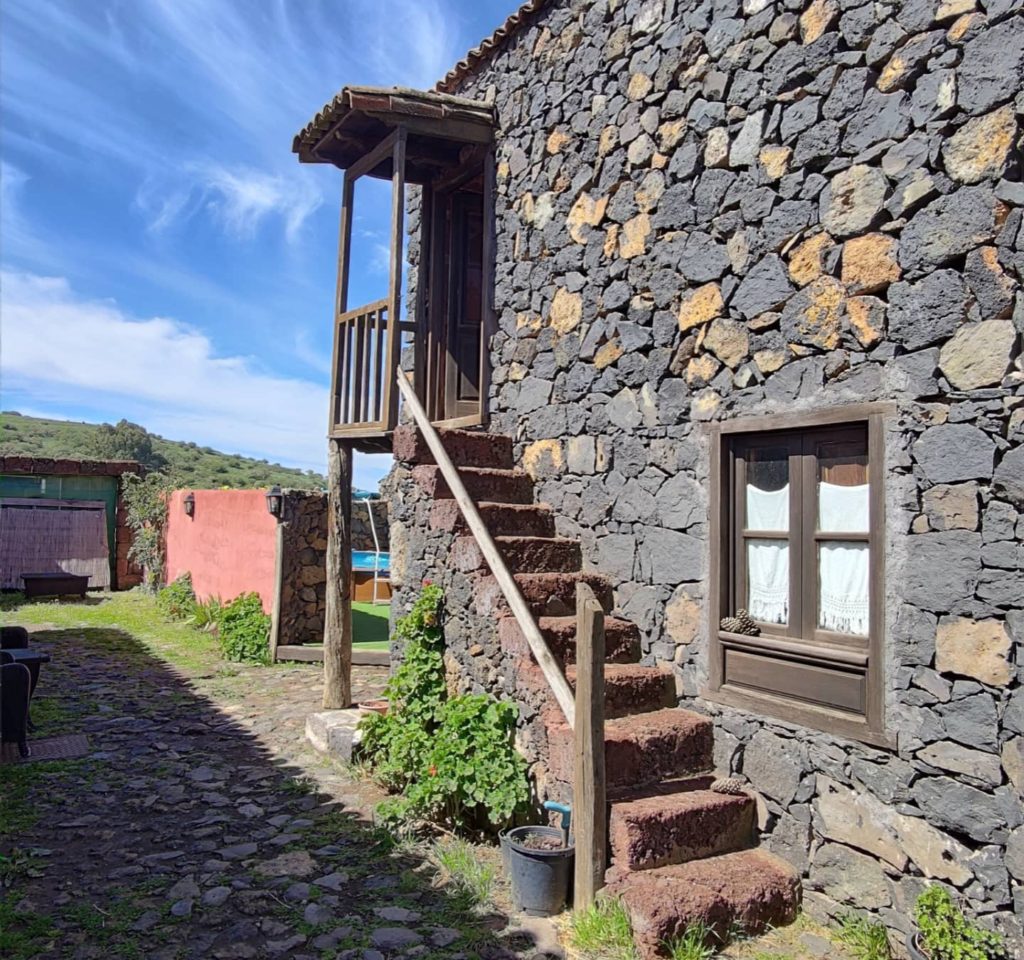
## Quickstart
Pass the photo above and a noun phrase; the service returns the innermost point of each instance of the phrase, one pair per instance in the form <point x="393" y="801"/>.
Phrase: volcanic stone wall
<point x="716" y="209"/>
<point x="362" y="532"/>
<point x="303" y="567"/>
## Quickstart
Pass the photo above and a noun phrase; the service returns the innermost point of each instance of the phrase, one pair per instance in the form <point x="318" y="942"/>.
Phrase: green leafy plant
<point x="947" y="934"/>
<point x="177" y="601"/>
<point x="454" y="760"/>
<point x="603" y="930"/>
<point x="244" y="630"/>
<point x="145" y="501"/>
<point x="867" y="939"/>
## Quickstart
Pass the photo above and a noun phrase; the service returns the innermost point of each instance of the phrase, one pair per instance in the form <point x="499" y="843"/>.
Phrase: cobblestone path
<point x="202" y="825"/>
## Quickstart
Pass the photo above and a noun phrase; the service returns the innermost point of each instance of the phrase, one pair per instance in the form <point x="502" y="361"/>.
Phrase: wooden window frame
<point x="801" y="642"/>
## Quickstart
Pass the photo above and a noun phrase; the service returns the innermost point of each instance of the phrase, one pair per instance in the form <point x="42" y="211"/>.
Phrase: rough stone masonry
<point x="715" y="208"/>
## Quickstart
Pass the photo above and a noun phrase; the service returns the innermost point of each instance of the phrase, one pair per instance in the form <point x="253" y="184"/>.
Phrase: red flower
<point x="427" y="583"/>
<point x="432" y="771"/>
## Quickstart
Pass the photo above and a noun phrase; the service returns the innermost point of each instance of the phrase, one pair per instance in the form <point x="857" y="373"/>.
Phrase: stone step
<point x="522" y="554"/>
<point x="467" y="448"/>
<point x="548" y="594"/>
<point x="482" y="483"/>
<point x="628" y="688"/>
<point x="675" y="822"/>
<point x="502" y="519"/>
<point x="621" y="638"/>
<point x="752" y="890"/>
<point x="641" y="749"/>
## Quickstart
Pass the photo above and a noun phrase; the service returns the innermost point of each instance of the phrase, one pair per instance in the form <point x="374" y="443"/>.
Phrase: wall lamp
<point x="275" y="501"/>
<point x="189" y="503"/>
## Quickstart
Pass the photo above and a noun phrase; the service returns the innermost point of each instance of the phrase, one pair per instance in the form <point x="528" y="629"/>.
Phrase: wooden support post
<point x="338" y="611"/>
<point x="590" y="811"/>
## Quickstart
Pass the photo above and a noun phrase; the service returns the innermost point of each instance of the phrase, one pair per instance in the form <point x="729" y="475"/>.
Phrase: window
<point x="798" y="546"/>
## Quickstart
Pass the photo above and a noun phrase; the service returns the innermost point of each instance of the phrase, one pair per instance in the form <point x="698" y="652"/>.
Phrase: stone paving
<point x="203" y="825"/>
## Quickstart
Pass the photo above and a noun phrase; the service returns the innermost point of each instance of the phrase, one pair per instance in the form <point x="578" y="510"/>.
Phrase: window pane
<point x="843" y="487"/>
<point x="767" y="493"/>
<point x="768" y="580"/>
<point x="843" y="586"/>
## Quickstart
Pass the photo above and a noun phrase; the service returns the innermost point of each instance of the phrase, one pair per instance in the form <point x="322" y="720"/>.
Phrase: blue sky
<point x="165" y="257"/>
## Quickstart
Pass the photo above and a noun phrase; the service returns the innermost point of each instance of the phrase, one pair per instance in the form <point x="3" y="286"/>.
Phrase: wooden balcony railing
<point x="367" y="350"/>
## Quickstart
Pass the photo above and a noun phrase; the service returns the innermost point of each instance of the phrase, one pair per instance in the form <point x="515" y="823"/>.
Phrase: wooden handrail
<point x="506" y="582"/>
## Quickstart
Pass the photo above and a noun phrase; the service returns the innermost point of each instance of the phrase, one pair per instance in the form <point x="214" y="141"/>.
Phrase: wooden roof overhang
<point x="438" y="126"/>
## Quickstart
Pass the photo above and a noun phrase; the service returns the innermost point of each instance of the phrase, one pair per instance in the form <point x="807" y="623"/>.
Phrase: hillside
<point x="194" y="466"/>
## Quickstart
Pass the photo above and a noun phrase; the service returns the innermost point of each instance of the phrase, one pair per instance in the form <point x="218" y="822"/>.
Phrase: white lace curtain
<point x="843" y="566"/>
<point x="768" y="560"/>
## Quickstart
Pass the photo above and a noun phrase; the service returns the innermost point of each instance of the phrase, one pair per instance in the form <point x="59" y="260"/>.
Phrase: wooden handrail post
<point x="509" y="588"/>
<point x="590" y="813"/>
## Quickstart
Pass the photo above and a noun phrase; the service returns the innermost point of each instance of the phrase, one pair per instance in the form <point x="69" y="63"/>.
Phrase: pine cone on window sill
<point x="741" y="623"/>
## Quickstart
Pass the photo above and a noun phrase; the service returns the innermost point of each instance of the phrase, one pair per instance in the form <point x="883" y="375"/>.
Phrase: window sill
<point x="804" y="650"/>
<point x="819" y="719"/>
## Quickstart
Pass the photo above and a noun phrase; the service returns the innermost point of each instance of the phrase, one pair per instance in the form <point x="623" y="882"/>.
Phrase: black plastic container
<point x="540" y="878"/>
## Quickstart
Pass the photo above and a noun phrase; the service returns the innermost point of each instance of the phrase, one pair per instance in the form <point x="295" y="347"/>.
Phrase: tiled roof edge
<point x="489" y="46"/>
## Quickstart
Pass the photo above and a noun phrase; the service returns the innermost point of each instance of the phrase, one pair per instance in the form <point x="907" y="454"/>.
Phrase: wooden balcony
<point x="368" y="346"/>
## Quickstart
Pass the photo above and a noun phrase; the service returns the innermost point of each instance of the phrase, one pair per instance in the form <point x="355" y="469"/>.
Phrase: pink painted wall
<point x="227" y="546"/>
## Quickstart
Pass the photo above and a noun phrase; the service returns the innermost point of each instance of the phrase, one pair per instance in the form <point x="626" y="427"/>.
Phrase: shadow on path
<point x="183" y="836"/>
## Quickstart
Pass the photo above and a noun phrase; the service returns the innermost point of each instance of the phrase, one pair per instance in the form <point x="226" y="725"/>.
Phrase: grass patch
<point x="694" y="944"/>
<point x="370" y="625"/>
<point x="17" y="812"/>
<point x="602" y="931"/>
<point x="22" y="935"/>
<point x="465" y="871"/>
<point x="866" y="940"/>
<point x="132" y="612"/>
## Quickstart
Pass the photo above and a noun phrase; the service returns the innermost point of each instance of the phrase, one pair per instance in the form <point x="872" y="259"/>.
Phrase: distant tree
<point x="126" y="441"/>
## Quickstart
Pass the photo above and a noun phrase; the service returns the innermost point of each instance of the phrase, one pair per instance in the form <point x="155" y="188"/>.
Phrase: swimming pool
<point x="364" y="560"/>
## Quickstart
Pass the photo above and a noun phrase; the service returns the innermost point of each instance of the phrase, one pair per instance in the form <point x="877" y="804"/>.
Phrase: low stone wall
<point x="362" y="534"/>
<point x="303" y="568"/>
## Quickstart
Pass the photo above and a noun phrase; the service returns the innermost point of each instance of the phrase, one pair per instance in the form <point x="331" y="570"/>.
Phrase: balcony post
<point x="338" y="606"/>
<point x="395" y="285"/>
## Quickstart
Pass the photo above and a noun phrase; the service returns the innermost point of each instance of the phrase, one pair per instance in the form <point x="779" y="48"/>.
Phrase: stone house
<point x="720" y="303"/>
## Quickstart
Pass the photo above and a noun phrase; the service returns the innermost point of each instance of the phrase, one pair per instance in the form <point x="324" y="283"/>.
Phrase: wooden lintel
<point x="448" y="129"/>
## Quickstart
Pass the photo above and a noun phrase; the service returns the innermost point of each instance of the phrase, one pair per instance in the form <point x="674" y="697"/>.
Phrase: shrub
<point x="145" y="501"/>
<point x="946" y="934"/>
<point x="244" y="630"/>
<point x="177" y="601"/>
<point x="454" y="759"/>
<point x="206" y="615"/>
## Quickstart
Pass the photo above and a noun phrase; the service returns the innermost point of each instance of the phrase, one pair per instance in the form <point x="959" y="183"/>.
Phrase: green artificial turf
<point x="370" y="626"/>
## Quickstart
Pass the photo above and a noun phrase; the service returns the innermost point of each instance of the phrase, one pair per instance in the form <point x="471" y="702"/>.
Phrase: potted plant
<point x="944" y="933"/>
<point x="539" y="863"/>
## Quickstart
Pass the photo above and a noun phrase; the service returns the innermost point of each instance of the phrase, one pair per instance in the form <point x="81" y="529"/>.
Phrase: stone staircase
<point x="680" y="852"/>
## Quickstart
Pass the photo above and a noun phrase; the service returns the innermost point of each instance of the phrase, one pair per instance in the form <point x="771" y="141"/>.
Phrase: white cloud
<point x="239" y="199"/>
<point x="62" y="348"/>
